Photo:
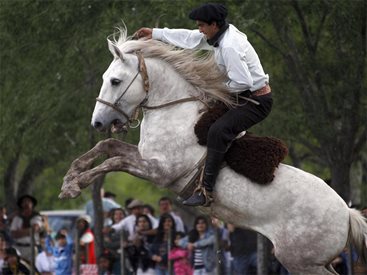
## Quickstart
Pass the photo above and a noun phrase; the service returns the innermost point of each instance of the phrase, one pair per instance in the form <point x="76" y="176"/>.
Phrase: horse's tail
<point x="358" y="233"/>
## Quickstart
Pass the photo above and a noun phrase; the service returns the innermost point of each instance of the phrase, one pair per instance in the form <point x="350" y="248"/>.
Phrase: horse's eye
<point x="115" y="81"/>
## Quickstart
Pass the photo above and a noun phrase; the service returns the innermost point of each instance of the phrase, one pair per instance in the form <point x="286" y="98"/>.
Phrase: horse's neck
<point x="166" y="84"/>
<point x="167" y="134"/>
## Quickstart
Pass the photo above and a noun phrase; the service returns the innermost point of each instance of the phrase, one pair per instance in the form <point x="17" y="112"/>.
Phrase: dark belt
<point x="23" y="244"/>
<point x="262" y="91"/>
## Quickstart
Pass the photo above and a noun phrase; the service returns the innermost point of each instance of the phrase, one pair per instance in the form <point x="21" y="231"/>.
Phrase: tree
<point x="322" y="45"/>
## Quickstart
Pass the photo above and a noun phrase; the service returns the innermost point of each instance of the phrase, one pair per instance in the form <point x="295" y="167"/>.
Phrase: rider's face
<point x="209" y="30"/>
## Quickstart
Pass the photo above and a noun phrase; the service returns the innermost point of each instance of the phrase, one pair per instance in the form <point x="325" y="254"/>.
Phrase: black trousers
<point x="236" y="120"/>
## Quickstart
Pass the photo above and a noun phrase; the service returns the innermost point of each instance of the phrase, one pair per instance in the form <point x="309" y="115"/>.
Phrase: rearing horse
<point x="307" y="222"/>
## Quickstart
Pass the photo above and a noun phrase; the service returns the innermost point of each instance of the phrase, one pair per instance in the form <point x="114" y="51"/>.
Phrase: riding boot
<point x="212" y="166"/>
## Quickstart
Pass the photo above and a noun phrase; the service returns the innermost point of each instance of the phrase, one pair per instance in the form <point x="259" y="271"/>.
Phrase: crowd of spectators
<point x="135" y="239"/>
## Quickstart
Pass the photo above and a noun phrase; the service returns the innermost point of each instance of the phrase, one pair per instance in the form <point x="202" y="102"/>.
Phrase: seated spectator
<point x="164" y="239"/>
<point x="138" y="251"/>
<point x="14" y="264"/>
<point x="45" y="262"/>
<point x="86" y="240"/>
<point x="20" y="227"/>
<point x="62" y="252"/>
<point x="180" y="257"/>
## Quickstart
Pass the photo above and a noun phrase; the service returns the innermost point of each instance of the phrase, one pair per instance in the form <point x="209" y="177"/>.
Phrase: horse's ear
<point x="115" y="50"/>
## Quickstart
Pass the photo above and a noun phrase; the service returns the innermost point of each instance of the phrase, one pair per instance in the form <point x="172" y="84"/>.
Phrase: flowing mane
<point x="200" y="70"/>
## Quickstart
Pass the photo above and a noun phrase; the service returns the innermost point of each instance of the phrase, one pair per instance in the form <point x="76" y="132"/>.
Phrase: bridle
<point x="142" y="70"/>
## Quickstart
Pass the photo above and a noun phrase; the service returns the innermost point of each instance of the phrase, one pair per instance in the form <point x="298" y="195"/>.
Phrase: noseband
<point x="142" y="70"/>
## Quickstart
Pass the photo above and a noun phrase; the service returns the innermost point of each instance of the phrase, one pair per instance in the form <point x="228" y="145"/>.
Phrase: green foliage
<point x="53" y="54"/>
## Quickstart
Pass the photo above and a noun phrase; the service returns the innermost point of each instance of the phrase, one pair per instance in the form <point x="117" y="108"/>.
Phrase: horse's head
<point x="121" y="92"/>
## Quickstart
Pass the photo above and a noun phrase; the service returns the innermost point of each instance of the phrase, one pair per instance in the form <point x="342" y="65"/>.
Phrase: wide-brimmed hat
<point x="86" y="218"/>
<point x="21" y="198"/>
<point x="135" y="203"/>
<point x="209" y="12"/>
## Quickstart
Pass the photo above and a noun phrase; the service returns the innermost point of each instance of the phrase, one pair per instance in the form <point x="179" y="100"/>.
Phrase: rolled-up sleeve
<point x="187" y="39"/>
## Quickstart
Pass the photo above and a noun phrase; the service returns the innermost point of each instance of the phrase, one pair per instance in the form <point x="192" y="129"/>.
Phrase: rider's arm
<point x="187" y="39"/>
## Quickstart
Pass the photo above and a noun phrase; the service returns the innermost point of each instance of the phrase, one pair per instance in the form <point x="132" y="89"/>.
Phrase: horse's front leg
<point x="131" y="163"/>
<point x="110" y="147"/>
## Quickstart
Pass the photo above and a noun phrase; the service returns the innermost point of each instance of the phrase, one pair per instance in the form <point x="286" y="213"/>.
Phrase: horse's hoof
<point x="70" y="193"/>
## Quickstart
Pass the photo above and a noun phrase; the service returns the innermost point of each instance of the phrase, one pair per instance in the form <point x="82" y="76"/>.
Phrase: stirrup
<point x="207" y="195"/>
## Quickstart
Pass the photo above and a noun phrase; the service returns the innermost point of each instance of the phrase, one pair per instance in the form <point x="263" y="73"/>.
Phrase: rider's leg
<point x="220" y="135"/>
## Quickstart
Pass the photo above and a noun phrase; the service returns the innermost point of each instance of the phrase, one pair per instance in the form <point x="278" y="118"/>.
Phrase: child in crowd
<point x="105" y="264"/>
<point x="45" y="262"/>
<point x="180" y="257"/>
<point x="62" y="252"/>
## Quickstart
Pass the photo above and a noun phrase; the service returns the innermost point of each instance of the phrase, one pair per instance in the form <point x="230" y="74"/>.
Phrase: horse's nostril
<point x="97" y="125"/>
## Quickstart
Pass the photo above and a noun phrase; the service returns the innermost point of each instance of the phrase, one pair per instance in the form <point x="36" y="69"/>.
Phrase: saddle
<point x="252" y="156"/>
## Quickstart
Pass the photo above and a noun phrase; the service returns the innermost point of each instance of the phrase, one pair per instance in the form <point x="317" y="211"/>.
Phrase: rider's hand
<point x="143" y="32"/>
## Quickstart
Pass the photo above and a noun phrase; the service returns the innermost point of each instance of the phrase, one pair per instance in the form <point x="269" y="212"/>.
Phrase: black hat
<point x="11" y="251"/>
<point x="109" y="194"/>
<point x="21" y="198"/>
<point x="209" y="12"/>
<point x="60" y="235"/>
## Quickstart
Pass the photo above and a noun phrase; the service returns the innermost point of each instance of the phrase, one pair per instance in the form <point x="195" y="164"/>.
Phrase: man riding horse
<point x="246" y="81"/>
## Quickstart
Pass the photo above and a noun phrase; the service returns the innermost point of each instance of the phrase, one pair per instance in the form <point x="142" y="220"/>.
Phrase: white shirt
<point x="128" y="224"/>
<point x="45" y="263"/>
<point x="234" y="55"/>
<point x="17" y="223"/>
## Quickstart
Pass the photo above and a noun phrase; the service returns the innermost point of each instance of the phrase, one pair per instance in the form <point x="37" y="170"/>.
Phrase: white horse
<point x="307" y="222"/>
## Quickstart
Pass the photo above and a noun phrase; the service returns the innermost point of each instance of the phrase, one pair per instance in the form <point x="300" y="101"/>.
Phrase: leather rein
<point x="142" y="70"/>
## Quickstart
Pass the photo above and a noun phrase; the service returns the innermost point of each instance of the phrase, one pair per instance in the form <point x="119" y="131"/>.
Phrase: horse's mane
<point x="200" y="70"/>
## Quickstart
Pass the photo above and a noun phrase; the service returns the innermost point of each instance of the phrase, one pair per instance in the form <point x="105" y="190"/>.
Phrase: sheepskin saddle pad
<point x="253" y="156"/>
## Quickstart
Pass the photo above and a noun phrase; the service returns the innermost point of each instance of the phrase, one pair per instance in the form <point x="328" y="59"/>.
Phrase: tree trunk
<point x="364" y="183"/>
<point x="340" y="173"/>
<point x="10" y="184"/>
<point x="98" y="215"/>
<point x="33" y="169"/>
